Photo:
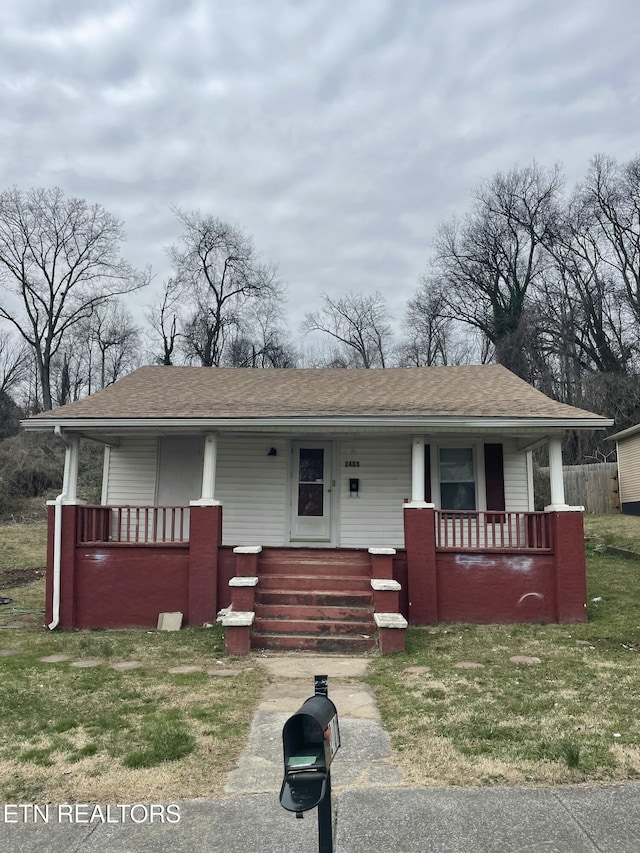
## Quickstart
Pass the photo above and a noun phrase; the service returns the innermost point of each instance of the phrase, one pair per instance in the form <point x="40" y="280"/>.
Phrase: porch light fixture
<point x="272" y="452"/>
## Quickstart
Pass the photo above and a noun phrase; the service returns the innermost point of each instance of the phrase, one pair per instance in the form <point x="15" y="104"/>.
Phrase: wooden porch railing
<point x="455" y="530"/>
<point x="495" y="531"/>
<point x="132" y="525"/>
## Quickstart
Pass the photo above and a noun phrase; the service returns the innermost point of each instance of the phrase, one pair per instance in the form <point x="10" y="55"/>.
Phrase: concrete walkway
<point x="373" y="808"/>
<point x="364" y="761"/>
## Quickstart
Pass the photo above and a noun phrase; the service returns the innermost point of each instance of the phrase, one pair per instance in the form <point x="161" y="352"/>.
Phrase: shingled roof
<point x="475" y="391"/>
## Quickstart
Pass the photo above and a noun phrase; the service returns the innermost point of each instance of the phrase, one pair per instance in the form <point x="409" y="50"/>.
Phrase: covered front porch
<point x="120" y="566"/>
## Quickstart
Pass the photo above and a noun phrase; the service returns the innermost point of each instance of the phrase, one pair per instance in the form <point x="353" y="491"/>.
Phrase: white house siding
<point x="629" y="469"/>
<point x="375" y="517"/>
<point x="516" y="489"/>
<point x="132" y="472"/>
<point x="253" y="489"/>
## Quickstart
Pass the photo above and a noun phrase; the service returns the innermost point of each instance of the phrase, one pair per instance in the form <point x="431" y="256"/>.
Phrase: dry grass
<point x="622" y="531"/>
<point x="48" y="762"/>
<point x="23" y="546"/>
<point x="572" y="718"/>
<point x="67" y="734"/>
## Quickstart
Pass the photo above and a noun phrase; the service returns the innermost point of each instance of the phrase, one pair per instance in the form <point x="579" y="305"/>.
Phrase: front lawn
<point x="103" y="734"/>
<point x="78" y="728"/>
<point x="571" y="717"/>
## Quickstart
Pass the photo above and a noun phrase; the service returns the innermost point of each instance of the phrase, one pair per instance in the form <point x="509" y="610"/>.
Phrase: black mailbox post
<point x="311" y="738"/>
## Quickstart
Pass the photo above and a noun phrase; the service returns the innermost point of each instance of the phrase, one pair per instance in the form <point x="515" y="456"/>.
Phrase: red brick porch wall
<point x="126" y="585"/>
<point x="484" y="586"/>
<point x="107" y="585"/>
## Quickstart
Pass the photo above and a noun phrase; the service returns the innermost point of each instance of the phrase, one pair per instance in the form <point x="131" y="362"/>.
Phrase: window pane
<point x="310" y="499"/>
<point x="311" y="465"/>
<point x="457" y="478"/>
<point x="456" y="464"/>
<point x="457" y="496"/>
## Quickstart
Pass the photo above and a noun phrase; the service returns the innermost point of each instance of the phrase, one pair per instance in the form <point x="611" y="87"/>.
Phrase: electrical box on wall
<point x="354" y="487"/>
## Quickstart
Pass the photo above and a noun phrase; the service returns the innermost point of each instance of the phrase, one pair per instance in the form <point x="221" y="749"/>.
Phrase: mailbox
<point x="311" y="738"/>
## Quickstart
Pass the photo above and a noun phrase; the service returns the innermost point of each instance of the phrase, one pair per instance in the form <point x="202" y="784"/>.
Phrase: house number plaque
<point x="351" y="463"/>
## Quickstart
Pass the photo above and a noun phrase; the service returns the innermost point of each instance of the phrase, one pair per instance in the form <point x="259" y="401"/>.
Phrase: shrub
<point x="32" y="465"/>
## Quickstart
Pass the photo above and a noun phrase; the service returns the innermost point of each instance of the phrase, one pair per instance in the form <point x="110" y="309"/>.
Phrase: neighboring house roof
<point x="196" y="394"/>
<point x="624" y="434"/>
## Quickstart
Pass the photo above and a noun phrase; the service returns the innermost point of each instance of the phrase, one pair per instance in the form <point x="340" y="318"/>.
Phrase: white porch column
<point x="68" y="495"/>
<point x="207" y="497"/>
<point x="417" y="473"/>
<point x="69" y="492"/>
<point x="70" y="476"/>
<point x="556" y="478"/>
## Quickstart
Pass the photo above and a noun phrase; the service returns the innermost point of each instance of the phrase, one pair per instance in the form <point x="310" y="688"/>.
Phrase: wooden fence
<point x="595" y="487"/>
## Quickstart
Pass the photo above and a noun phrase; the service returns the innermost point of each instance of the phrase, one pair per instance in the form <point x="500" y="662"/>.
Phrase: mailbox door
<point x="302" y="792"/>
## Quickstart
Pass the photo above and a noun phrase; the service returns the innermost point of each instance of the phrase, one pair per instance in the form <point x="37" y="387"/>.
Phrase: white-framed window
<point x="457" y="478"/>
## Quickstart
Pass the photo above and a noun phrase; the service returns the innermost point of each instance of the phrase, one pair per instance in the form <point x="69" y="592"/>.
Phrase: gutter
<point x="324" y="422"/>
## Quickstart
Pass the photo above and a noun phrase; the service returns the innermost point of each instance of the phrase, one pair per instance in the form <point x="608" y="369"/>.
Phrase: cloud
<point x="339" y="135"/>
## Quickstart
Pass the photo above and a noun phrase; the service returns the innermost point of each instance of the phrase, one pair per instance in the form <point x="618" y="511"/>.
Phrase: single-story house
<point x="315" y="507"/>
<point x="628" y="450"/>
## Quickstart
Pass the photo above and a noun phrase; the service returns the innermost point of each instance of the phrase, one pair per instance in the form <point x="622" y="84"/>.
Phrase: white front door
<point x="311" y="492"/>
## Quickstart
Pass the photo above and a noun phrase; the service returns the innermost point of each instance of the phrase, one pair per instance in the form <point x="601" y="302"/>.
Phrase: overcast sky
<point x="338" y="134"/>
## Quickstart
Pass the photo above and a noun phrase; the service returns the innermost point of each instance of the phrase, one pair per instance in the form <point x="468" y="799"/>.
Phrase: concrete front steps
<point x="314" y="600"/>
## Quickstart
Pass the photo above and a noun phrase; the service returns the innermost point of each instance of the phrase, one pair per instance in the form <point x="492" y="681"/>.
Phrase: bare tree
<point x="14" y="369"/>
<point x="164" y="319"/>
<point x="610" y="199"/>
<point x="489" y="264"/>
<point x="326" y="352"/>
<point x="14" y="362"/>
<point x="587" y="323"/>
<point x="219" y="273"/>
<point x="585" y="314"/>
<point x="59" y="260"/>
<point x="432" y="337"/>
<point x="115" y="340"/>
<point x="261" y="340"/>
<point x="359" y="323"/>
<point x="96" y="352"/>
<point x="70" y="372"/>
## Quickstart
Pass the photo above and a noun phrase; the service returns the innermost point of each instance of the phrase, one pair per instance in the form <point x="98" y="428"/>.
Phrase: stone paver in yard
<point x="418" y="670"/>
<point x="128" y="665"/>
<point x="185" y="669"/>
<point x="468" y="664"/>
<point x="525" y="660"/>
